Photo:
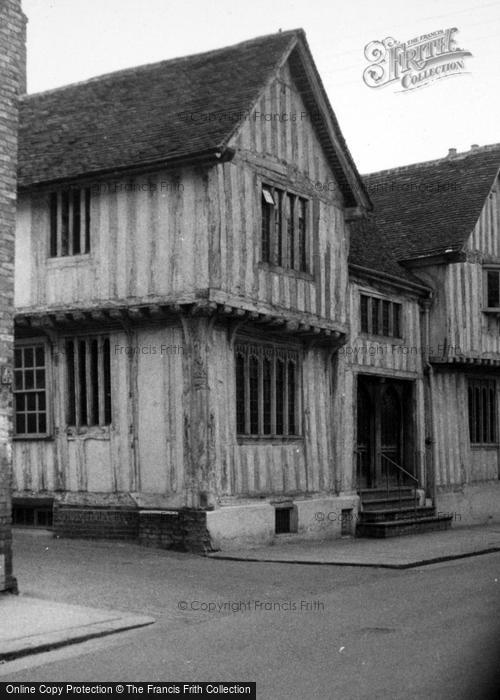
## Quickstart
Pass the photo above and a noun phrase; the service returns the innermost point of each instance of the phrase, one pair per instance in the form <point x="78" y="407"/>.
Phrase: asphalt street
<point x="299" y="631"/>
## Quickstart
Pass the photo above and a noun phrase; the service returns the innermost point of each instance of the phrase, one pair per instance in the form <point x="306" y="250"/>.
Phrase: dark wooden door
<point x="364" y="439"/>
<point x="391" y="433"/>
<point x="380" y="431"/>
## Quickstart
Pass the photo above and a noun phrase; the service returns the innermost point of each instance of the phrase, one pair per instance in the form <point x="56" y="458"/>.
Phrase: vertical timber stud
<point x="429" y="480"/>
<point x="198" y="415"/>
<point x="12" y="84"/>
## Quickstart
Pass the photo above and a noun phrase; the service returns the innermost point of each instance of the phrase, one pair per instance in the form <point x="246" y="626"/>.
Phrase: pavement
<point x="390" y="553"/>
<point x="31" y="624"/>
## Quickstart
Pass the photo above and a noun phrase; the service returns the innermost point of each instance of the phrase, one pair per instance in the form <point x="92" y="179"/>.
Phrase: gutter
<point x="419" y="289"/>
<point x="210" y="156"/>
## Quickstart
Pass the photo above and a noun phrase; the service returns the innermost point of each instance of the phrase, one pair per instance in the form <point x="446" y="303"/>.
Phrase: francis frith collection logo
<point x="416" y="62"/>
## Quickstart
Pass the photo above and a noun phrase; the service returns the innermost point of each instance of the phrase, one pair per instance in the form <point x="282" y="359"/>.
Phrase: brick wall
<point x="12" y="83"/>
<point x="184" y="530"/>
<point x="95" y="523"/>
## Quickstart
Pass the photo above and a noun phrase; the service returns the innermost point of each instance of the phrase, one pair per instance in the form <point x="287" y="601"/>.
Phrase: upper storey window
<point x="285" y="230"/>
<point x="492" y="288"/>
<point x="69" y="222"/>
<point x="380" y="316"/>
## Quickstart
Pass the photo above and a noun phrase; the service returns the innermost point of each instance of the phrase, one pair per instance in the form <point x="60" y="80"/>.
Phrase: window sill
<point x="268" y="439"/>
<point x="68" y="260"/>
<point x="491" y="310"/>
<point x="395" y="340"/>
<point x="484" y="446"/>
<point x="22" y="438"/>
<point x="95" y="432"/>
<point x="278" y="270"/>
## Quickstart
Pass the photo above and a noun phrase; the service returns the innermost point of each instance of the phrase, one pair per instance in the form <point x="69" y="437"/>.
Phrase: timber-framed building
<point x="188" y="315"/>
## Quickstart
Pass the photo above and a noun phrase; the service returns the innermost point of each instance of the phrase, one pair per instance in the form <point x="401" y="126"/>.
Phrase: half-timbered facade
<point x="440" y="219"/>
<point x="218" y="343"/>
<point x="182" y="294"/>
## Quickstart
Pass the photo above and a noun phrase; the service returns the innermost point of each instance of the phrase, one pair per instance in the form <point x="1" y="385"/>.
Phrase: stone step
<point x="388" y="503"/>
<point x="376" y="494"/>
<point x="406" y="526"/>
<point x="386" y="514"/>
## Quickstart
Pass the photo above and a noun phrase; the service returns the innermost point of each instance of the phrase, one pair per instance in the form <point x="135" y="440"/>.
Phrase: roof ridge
<point x="445" y="159"/>
<point x="147" y="66"/>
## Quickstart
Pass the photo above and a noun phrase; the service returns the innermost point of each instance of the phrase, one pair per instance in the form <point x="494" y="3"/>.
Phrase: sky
<point x="384" y="126"/>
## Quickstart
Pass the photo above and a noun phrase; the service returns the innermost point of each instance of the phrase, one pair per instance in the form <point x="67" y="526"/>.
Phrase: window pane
<point x="278" y="227"/>
<point x="107" y="382"/>
<point x="42" y="423"/>
<point x="302" y="235"/>
<point x="41" y="401"/>
<point x="396" y="323"/>
<point x="31" y="426"/>
<point x="31" y="402"/>
<point x="240" y="394"/>
<point x="82" y="380"/>
<point x="386" y="309"/>
<point x="364" y="313"/>
<point x="20" y="402"/>
<point x="492" y="417"/>
<point x="29" y="357"/>
<point x="266" y="231"/>
<point x="28" y="379"/>
<point x="267" y="196"/>
<point x="40" y="356"/>
<point x="20" y="424"/>
<point x="291" y="398"/>
<point x="280" y="389"/>
<point x="472" y="416"/>
<point x="18" y="379"/>
<point x="493" y="288"/>
<point x="266" y="385"/>
<point x="94" y="372"/>
<point x="87" y="220"/>
<point x="290" y="225"/>
<point x="254" y="395"/>
<point x="484" y="415"/>
<point x="70" y="358"/>
<point x="76" y="222"/>
<point x="375" y="316"/>
<point x="18" y="357"/>
<point x="65" y="223"/>
<point x="40" y="378"/>
<point x="53" y="224"/>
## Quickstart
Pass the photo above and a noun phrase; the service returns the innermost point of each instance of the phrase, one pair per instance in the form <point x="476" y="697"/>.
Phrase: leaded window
<point x="267" y="391"/>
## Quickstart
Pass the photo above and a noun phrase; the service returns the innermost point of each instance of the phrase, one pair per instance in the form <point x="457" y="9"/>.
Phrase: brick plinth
<point x="184" y="530"/>
<point x="96" y="523"/>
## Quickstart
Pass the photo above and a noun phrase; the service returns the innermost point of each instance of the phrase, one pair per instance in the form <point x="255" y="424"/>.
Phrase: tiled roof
<point x="423" y="209"/>
<point x="144" y="114"/>
<point x="167" y="111"/>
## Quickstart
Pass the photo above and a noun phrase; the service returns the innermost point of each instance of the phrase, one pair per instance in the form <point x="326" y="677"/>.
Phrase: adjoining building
<point x="441" y="221"/>
<point x="12" y="83"/>
<point x="197" y="359"/>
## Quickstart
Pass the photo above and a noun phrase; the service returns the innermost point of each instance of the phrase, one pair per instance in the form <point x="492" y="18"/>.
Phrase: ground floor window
<point x="482" y="399"/>
<point x="267" y="391"/>
<point x="89" y="381"/>
<point x="32" y="513"/>
<point x="30" y="387"/>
